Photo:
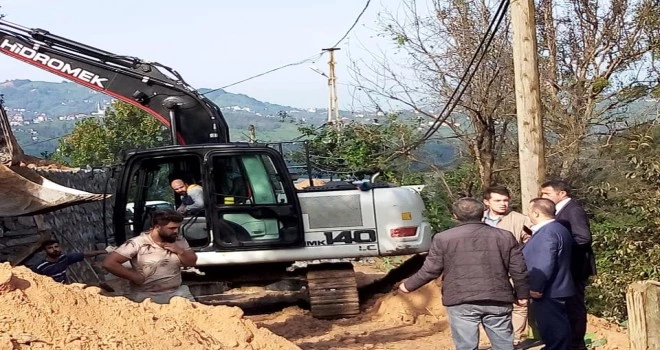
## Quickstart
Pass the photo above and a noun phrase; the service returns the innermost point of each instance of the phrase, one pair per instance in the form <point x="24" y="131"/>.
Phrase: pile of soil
<point x="38" y="313"/>
<point x="398" y="321"/>
<point x="301" y="185"/>
<point x="407" y="307"/>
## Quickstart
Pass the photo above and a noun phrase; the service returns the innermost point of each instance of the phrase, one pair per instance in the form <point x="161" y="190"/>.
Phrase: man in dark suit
<point x="571" y="214"/>
<point x="548" y="258"/>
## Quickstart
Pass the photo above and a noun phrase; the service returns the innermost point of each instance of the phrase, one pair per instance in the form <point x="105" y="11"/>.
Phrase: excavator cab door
<point x="145" y="187"/>
<point x="252" y="199"/>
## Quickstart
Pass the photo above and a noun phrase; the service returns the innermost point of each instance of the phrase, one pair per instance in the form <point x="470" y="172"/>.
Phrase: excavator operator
<point x="192" y="196"/>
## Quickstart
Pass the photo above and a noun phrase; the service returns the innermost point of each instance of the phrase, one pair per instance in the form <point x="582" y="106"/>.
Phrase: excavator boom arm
<point x="157" y="89"/>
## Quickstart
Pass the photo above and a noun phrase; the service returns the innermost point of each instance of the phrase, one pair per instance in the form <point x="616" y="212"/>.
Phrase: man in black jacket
<point x="475" y="261"/>
<point x="583" y="263"/>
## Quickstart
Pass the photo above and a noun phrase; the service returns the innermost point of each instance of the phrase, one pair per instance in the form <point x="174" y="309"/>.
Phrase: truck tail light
<point x="403" y="231"/>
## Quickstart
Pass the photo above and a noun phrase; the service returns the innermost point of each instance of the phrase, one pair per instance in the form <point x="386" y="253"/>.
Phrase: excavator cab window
<point x="149" y="189"/>
<point x="249" y="200"/>
<point x="251" y="205"/>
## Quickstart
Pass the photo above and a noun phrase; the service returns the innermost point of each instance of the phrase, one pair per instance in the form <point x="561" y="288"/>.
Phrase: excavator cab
<point x="249" y="200"/>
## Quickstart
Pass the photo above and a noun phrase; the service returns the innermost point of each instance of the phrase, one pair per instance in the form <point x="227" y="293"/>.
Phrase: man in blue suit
<point x="571" y="214"/>
<point x="548" y="258"/>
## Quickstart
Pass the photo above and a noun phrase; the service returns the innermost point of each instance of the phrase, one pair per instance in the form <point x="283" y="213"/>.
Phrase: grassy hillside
<point x="53" y="99"/>
<point x="58" y="99"/>
<point x="33" y="98"/>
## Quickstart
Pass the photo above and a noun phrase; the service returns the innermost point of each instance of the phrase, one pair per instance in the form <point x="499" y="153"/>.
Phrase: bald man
<point x="192" y="197"/>
<point x="548" y="258"/>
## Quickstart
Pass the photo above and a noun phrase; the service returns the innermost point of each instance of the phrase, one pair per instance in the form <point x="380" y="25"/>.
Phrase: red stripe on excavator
<point x="94" y="87"/>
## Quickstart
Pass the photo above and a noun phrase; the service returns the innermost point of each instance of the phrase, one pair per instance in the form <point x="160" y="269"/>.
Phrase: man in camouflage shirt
<point x="156" y="257"/>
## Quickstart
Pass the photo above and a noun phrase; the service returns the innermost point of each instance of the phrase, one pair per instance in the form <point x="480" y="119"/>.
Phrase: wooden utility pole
<point x="252" y="134"/>
<point x="643" y="304"/>
<point x="531" y="151"/>
<point x="333" y="109"/>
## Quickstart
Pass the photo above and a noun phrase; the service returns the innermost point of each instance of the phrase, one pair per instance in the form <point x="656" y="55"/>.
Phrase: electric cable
<point x="297" y="63"/>
<point x="465" y="80"/>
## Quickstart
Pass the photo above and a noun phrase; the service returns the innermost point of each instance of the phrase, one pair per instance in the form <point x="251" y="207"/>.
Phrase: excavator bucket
<point x="22" y="190"/>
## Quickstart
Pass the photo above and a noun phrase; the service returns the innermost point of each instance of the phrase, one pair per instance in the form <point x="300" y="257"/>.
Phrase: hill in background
<point x="43" y="111"/>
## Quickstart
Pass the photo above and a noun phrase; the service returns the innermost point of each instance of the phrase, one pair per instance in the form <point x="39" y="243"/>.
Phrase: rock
<point x="23" y="232"/>
<point x="12" y="224"/>
<point x="41" y="223"/>
<point x="6" y="279"/>
<point x="26" y="221"/>
<point x="78" y="227"/>
<point x="22" y="241"/>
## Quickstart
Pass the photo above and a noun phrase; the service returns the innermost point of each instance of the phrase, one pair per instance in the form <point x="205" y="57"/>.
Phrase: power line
<point x="484" y="44"/>
<point x="465" y="80"/>
<point x="46" y="140"/>
<point x="297" y="63"/>
<point x="354" y="24"/>
<point x="312" y="58"/>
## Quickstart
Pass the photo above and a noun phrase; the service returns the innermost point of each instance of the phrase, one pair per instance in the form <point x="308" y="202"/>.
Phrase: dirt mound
<point x="301" y="185"/>
<point x="606" y="335"/>
<point x="406" y="307"/>
<point x="38" y="313"/>
<point x="422" y="309"/>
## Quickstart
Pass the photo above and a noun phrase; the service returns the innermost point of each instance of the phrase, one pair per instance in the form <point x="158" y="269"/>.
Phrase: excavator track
<point x="329" y="290"/>
<point x="333" y="290"/>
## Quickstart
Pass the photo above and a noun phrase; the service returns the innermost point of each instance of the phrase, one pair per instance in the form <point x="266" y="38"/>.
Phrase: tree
<point x="438" y="44"/>
<point x="595" y="59"/>
<point x="624" y="196"/>
<point x="357" y="146"/>
<point x="99" y="141"/>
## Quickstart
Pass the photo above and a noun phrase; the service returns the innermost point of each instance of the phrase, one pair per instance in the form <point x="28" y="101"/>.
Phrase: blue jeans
<point x="464" y="320"/>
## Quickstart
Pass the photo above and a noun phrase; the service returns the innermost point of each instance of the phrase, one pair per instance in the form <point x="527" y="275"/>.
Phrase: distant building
<point x="100" y="111"/>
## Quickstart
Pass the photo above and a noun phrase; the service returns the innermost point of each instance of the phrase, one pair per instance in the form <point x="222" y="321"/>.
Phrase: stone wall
<point x="78" y="228"/>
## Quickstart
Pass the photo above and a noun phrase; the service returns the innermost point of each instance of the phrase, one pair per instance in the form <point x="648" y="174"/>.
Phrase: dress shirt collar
<point x="562" y="203"/>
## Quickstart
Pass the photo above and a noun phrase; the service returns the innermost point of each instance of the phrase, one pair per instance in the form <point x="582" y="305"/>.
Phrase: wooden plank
<point x="643" y="304"/>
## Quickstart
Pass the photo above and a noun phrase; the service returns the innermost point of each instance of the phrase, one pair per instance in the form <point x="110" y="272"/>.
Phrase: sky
<point x="216" y="43"/>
